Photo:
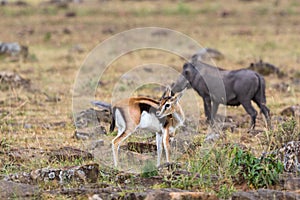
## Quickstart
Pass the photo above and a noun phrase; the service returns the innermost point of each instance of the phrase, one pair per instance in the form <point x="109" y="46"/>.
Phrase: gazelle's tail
<point x="101" y="104"/>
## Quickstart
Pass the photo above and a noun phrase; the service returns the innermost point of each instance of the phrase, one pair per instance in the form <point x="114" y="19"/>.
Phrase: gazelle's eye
<point x="167" y="105"/>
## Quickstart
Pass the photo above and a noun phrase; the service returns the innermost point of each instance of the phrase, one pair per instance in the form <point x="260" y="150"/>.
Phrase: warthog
<point x="229" y="87"/>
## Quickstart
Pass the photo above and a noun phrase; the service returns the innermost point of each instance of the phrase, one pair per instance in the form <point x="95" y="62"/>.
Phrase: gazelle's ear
<point x="168" y="92"/>
<point x="179" y="95"/>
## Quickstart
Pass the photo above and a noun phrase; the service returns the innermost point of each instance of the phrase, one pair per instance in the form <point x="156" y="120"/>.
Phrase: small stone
<point x="99" y="143"/>
<point x="81" y="135"/>
<point x="291" y="111"/>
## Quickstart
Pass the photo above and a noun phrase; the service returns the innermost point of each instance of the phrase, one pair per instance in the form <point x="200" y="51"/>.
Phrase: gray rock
<point x="265" y="68"/>
<point x="278" y="195"/>
<point x="70" y="153"/>
<point x="12" y="79"/>
<point x="265" y="194"/>
<point x="92" y="117"/>
<point x="84" y="173"/>
<point x="292" y="183"/>
<point x="291" y="111"/>
<point x="79" y="135"/>
<point x="12" y="190"/>
<point x="290" y="156"/>
<point x="174" y="194"/>
<point x="206" y="54"/>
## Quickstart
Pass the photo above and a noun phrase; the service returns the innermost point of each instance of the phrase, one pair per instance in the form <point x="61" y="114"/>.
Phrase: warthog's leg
<point x="207" y="108"/>
<point x="266" y="113"/>
<point x="251" y="111"/>
<point x="215" y="107"/>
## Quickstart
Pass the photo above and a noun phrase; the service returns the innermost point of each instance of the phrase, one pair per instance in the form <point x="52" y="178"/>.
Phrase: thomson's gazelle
<point x="162" y="117"/>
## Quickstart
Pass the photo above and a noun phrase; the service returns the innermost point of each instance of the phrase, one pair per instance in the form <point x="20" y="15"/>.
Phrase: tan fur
<point x="131" y="113"/>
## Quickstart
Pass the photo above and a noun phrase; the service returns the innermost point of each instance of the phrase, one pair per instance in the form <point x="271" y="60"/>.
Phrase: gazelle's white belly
<point x="149" y="121"/>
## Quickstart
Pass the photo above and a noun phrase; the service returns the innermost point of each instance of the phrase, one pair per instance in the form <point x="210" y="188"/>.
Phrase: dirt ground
<point x="60" y="37"/>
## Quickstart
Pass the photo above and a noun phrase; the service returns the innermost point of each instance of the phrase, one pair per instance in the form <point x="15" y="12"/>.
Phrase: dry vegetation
<point x="41" y="116"/>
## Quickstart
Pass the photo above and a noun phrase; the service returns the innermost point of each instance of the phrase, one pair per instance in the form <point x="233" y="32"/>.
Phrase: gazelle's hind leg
<point x="122" y="135"/>
<point x="116" y="145"/>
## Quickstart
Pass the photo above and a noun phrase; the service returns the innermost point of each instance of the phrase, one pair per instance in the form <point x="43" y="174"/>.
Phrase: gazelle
<point x="134" y="113"/>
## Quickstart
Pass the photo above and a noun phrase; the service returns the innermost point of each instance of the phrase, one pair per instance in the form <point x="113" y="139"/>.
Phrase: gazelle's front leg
<point x="159" y="147"/>
<point x="166" y="142"/>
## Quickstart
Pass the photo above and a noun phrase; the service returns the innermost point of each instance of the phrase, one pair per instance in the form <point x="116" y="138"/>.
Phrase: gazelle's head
<point x="169" y="103"/>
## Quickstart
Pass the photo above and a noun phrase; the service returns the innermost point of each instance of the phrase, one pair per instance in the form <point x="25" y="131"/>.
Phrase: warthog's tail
<point x="260" y="93"/>
<point x="107" y="106"/>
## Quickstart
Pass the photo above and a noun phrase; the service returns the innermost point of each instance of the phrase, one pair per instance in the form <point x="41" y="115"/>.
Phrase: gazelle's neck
<point x="179" y="117"/>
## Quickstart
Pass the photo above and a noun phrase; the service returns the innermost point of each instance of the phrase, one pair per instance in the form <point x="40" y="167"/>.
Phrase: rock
<point x="84" y="173"/>
<point x="292" y="183"/>
<point x="265" y="194"/>
<point x="206" y="54"/>
<point x="19" y="155"/>
<point x="95" y="197"/>
<point x="282" y="87"/>
<point x="241" y="195"/>
<point x="290" y="156"/>
<point x="79" y="135"/>
<point x="135" y="196"/>
<point x="265" y="68"/>
<point x="11" y="79"/>
<point x="92" y="117"/>
<point x="76" y="48"/>
<point x="67" y="31"/>
<point x="175" y="194"/>
<point x="160" y="33"/>
<point x="98" y="144"/>
<point x="22" y="177"/>
<point x="109" y="30"/>
<point x="211" y="137"/>
<point x="70" y="14"/>
<point x="291" y="111"/>
<point x="90" y="133"/>
<point x="13" y="49"/>
<point x="70" y="153"/>
<point x="141" y="147"/>
<point x="12" y="190"/>
<point x="278" y="195"/>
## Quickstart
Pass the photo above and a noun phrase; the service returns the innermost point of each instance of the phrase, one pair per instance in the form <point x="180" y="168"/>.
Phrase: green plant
<point x="208" y="168"/>
<point x="258" y="172"/>
<point x="47" y="36"/>
<point x="149" y="170"/>
<point x="183" y="8"/>
<point x="225" y="191"/>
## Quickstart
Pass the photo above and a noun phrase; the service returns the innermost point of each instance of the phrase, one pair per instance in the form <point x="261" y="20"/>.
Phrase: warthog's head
<point x="188" y="74"/>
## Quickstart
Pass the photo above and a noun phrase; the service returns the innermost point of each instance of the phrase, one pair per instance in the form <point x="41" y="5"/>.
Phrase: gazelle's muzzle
<point x="159" y="113"/>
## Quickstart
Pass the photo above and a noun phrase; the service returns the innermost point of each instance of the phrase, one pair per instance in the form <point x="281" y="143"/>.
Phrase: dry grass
<point x="244" y="31"/>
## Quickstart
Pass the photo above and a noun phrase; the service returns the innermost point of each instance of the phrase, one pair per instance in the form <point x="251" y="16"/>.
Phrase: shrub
<point x="258" y="172"/>
<point x="284" y="133"/>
